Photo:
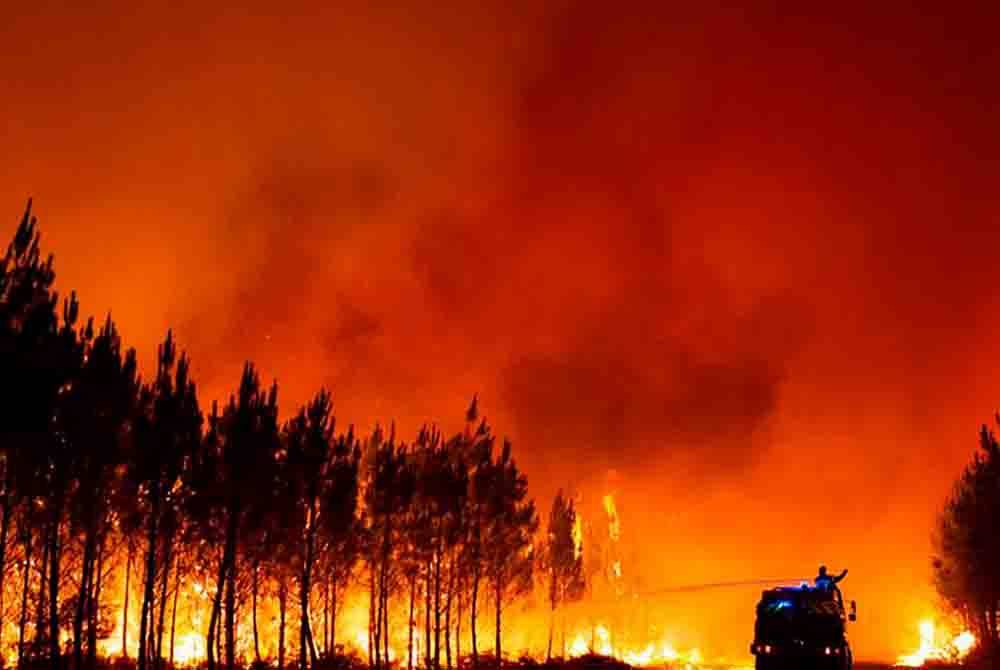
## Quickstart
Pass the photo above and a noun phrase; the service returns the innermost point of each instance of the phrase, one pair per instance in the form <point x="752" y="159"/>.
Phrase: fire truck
<point x="802" y="627"/>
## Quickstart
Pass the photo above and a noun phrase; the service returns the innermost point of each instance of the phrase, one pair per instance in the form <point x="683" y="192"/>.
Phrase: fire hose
<point x="690" y="588"/>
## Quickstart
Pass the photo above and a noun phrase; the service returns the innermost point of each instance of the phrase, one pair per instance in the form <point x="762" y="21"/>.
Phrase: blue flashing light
<point x="780" y="605"/>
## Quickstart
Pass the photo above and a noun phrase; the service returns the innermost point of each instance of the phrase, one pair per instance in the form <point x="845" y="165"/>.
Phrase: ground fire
<point x="938" y="645"/>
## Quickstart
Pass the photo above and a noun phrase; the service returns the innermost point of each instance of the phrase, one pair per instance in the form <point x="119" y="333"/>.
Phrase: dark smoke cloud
<point x="632" y="399"/>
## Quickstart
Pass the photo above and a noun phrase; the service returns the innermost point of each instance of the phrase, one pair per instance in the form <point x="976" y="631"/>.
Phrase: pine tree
<point x="249" y="444"/>
<point x="508" y="531"/>
<point x="167" y="431"/>
<point x="563" y="560"/>
<point x="967" y="544"/>
<point x="97" y="408"/>
<point x="29" y="383"/>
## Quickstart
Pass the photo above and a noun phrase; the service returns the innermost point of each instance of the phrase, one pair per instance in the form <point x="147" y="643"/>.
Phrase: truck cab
<point x="803" y="627"/>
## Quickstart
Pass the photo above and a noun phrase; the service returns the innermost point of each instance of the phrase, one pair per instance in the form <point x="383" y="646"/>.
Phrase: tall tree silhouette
<point x="482" y="472"/>
<point x="167" y="432"/>
<point x="340" y="527"/>
<point x="510" y="525"/>
<point x="248" y="444"/>
<point x="96" y="410"/>
<point x="56" y="460"/>
<point x="308" y="439"/>
<point x="967" y="544"/>
<point x="444" y="487"/>
<point x="563" y="559"/>
<point x="29" y="382"/>
<point x="389" y="494"/>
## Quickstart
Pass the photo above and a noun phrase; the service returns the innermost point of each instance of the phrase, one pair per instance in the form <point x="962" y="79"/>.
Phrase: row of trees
<point x="104" y="472"/>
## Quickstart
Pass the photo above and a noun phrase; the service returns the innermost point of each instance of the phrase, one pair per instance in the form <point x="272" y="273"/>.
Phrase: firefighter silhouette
<point x="827" y="582"/>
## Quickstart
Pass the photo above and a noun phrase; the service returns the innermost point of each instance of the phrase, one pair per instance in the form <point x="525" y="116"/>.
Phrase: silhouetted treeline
<point x="106" y="472"/>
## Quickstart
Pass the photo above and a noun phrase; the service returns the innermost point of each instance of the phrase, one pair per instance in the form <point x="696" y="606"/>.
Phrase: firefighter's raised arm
<point x="839" y="578"/>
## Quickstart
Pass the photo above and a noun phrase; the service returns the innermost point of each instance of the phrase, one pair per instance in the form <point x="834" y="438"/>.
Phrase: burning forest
<point x="139" y="526"/>
<point x="437" y="336"/>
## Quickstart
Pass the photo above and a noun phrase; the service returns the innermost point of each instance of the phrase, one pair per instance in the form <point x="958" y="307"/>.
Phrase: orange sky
<point x="742" y="257"/>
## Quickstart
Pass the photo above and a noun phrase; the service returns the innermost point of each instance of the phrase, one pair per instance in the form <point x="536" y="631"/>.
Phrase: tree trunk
<point x="229" y="581"/>
<point x="151" y="628"/>
<point x="149" y="579"/>
<point x="429" y="583"/>
<point x="160" y="624"/>
<point x="305" y="587"/>
<point x="447" y="616"/>
<point x="5" y="509"/>
<point x="213" y="623"/>
<point x="474" y="611"/>
<point x="41" y="613"/>
<point x="173" y="614"/>
<point x="83" y="595"/>
<point x="25" y="578"/>
<point x="376" y="600"/>
<point x="54" y="562"/>
<point x="385" y="628"/>
<point x="95" y="605"/>
<point x="220" y="637"/>
<point x="371" y="618"/>
<point x="125" y="599"/>
<point x="326" y="618"/>
<point x="231" y="615"/>
<point x="333" y="616"/>
<point x="459" y="594"/>
<point x="253" y="606"/>
<point x="437" y="609"/>
<point x="282" y="606"/>
<point x="411" y="622"/>
<point x="497" y="595"/>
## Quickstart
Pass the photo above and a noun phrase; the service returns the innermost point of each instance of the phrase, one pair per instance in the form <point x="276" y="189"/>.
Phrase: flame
<point x="652" y="654"/>
<point x="957" y="648"/>
<point x="579" y="646"/>
<point x="189" y="648"/>
<point x="614" y="526"/>
<point x="602" y="641"/>
<point x="964" y="643"/>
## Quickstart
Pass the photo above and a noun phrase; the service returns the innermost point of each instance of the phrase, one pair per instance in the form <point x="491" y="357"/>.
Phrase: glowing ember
<point x="932" y="648"/>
